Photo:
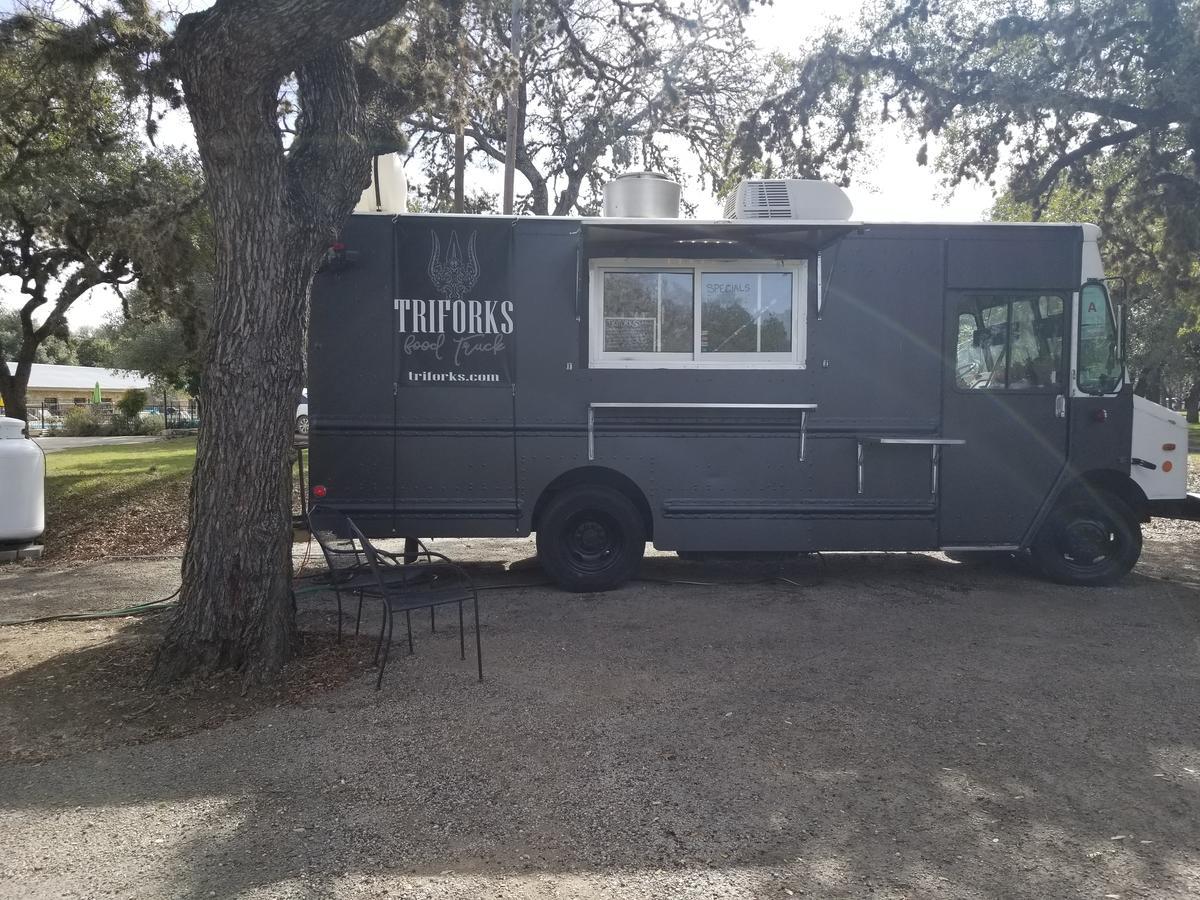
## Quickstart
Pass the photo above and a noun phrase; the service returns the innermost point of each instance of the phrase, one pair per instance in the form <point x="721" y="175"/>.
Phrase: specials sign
<point x="454" y="323"/>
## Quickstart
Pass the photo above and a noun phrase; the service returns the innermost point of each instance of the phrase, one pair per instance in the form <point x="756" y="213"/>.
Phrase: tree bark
<point x="14" y="387"/>
<point x="1154" y="386"/>
<point x="275" y="215"/>
<point x="1191" y="404"/>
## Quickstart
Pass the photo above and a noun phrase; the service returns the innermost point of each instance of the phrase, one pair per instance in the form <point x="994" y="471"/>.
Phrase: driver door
<point x="1005" y="396"/>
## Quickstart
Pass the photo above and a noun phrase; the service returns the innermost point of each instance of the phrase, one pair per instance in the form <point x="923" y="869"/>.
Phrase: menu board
<point x="629" y="334"/>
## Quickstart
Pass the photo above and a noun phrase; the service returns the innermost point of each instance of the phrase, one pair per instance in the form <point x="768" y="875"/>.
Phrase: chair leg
<point x="462" y="640"/>
<point x="387" y="614"/>
<point x="338" y="594"/>
<point x="478" y="642"/>
<point x="386" y="650"/>
<point x="408" y="619"/>
<point x="432" y="622"/>
<point x="358" y="615"/>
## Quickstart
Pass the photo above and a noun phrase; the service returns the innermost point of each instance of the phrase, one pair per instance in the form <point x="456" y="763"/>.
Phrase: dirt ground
<point x="879" y="726"/>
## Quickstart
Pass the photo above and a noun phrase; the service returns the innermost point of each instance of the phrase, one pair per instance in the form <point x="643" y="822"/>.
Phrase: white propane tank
<point x="388" y="192"/>
<point x="22" y="485"/>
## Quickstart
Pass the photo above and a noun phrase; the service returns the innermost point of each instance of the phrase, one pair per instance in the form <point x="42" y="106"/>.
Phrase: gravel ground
<point x="876" y="726"/>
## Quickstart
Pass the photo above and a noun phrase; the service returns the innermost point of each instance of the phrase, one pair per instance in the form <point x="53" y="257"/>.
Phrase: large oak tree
<point x="275" y="210"/>
<point x="286" y="119"/>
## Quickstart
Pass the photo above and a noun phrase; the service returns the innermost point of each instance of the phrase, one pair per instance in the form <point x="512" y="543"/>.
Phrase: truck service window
<point x="1010" y="342"/>
<point x="648" y="312"/>
<point x="746" y="312"/>
<point x="690" y="314"/>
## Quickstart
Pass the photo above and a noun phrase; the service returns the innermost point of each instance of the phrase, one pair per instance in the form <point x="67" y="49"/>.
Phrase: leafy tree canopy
<point x="1049" y="92"/>
<point x="602" y="87"/>
<point x="83" y="201"/>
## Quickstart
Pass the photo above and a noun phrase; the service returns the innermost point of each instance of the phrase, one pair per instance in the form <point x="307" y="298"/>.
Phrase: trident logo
<point x="454" y="275"/>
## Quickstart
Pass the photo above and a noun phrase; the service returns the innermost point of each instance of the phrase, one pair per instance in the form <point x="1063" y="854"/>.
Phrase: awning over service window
<point x="684" y="239"/>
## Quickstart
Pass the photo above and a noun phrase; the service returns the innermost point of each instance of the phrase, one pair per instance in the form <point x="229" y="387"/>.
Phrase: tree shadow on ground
<point x="899" y="727"/>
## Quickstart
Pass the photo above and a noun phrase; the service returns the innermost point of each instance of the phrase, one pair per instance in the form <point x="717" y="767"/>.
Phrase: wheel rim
<point x="593" y="541"/>
<point x="1089" y="542"/>
<point x="302" y="425"/>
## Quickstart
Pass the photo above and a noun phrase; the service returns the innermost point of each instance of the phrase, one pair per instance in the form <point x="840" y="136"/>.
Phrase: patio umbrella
<point x="96" y="393"/>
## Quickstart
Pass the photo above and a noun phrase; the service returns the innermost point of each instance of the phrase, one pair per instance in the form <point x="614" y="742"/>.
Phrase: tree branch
<point x="270" y="38"/>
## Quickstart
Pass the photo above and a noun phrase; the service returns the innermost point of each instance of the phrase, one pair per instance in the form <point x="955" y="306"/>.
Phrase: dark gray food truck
<point x="783" y="379"/>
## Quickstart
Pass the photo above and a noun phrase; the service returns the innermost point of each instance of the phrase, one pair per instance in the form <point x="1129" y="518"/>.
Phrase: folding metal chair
<point x="348" y="569"/>
<point x="416" y="585"/>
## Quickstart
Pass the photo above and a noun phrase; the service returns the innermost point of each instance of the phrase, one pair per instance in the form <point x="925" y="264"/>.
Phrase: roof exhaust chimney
<point x="642" y="195"/>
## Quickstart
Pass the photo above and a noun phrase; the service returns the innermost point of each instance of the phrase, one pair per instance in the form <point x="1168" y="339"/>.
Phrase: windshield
<point x="1101" y="368"/>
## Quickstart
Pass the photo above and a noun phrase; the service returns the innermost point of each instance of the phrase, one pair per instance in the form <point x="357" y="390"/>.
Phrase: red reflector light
<point x="1168" y="447"/>
<point x="1100" y="415"/>
<point x="319" y="490"/>
<point x="337" y="247"/>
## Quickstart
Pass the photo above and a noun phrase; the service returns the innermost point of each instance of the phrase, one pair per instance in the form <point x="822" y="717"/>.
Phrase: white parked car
<point x="302" y="413"/>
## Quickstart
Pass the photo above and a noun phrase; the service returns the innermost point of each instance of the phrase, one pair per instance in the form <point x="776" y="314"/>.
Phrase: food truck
<point x="783" y="379"/>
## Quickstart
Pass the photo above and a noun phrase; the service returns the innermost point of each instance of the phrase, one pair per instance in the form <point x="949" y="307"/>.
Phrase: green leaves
<point x="1048" y="92"/>
<point x="83" y="201"/>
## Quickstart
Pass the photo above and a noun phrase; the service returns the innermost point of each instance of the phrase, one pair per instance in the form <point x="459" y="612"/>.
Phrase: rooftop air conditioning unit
<point x="788" y="198"/>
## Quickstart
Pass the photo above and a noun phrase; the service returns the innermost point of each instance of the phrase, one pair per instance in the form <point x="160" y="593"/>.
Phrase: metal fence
<point x="176" y="412"/>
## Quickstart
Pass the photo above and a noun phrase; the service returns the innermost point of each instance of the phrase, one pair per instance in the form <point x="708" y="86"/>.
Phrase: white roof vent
<point x="788" y="198"/>
<point x="388" y="191"/>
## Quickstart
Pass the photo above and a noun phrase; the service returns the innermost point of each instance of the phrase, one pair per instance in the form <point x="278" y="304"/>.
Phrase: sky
<point x="896" y="188"/>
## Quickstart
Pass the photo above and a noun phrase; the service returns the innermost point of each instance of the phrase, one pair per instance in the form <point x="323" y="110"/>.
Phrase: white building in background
<point x="56" y="387"/>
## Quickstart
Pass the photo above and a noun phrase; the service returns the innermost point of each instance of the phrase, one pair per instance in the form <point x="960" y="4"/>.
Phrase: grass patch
<point x="120" y="500"/>
<point x="128" y="499"/>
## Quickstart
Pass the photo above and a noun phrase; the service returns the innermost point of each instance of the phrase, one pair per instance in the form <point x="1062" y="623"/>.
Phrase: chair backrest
<point x="335" y="533"/>
<point x="372" y="555"/>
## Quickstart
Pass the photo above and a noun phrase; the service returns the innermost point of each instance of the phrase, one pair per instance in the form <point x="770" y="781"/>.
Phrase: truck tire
<point x="590" y="538"/>
<point x="1090" y="539"/>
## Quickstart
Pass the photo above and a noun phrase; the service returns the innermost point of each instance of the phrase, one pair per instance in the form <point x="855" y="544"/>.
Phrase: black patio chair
<point x="437" y="582"/>
<point x="348" y="569"/>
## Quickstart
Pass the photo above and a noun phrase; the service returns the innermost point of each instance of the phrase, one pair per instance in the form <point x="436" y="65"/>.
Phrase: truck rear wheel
<point x="1089" y="539"/>
<point x="591" y="538"/>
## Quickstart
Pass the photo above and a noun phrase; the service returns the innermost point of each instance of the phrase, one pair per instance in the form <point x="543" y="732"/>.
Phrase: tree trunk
<point x="1191" y="404"/>
<point x="235" y="606"/>
<point x="14" y="387"/>
<point x="274" y="216"/>
<point x="1154" y="385"/>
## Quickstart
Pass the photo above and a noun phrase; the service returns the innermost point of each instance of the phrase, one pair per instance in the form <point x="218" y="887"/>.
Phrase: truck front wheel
<point x="1090" y="539"/>
<point x="590" y="538"/>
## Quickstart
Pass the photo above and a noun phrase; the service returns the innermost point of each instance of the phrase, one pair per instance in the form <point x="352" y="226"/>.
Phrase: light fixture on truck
<point x="319" y="490"/>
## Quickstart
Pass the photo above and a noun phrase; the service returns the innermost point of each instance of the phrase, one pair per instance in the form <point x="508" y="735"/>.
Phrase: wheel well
<point x="1116" y="483"/>
<point x="596" y="475"/>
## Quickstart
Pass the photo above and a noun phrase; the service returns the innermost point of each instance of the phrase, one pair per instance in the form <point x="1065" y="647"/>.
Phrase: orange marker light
<point x="1168" y="466"/>
<point x="1167" y="448"/>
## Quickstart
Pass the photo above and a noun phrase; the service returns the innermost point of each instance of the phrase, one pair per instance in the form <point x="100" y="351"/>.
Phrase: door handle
<point x="1060" y="407"/>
